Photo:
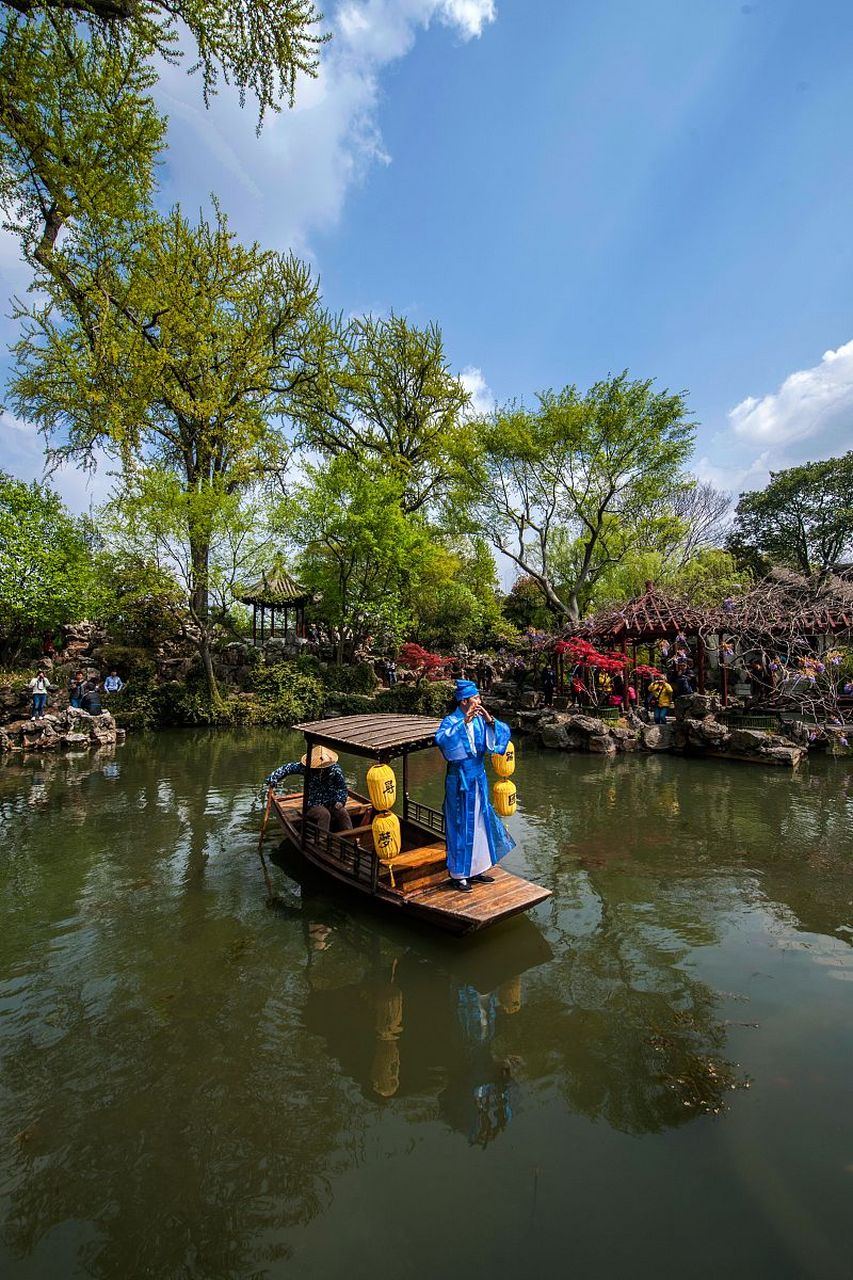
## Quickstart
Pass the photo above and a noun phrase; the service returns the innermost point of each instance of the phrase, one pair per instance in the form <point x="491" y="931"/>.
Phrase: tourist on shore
<point x="113" y="683"/>
<point x="326" y="802"/>
<point x="39" y="687"/>
<point x="476" y="837"/>
<point x="617" y="690"/>
<point x="91" y="699"/>
<point x="660" y="698"/>
<point x="683" y="681"/>
<point x="548" y="684"/>
<point x="76" y="687"/>
<point x="391" y="672"/>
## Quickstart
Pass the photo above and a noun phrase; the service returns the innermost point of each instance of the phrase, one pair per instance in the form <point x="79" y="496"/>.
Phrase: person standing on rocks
<point x="91" y="699"/>
<point x="39" y="687"/>
<point x="548" y="683"/>
<point x="76" y="687"/>
<point x="113" y="683"/>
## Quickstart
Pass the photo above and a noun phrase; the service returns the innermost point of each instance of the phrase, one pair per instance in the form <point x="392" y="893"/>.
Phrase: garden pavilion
<point x="276" y="596"/>
<point x="648" y="619"/>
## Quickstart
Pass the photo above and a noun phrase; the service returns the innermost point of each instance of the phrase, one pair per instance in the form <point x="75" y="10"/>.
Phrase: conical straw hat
<point x="321" y="758"/>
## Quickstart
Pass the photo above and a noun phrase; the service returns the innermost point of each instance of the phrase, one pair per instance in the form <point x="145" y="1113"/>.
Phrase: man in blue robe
<point x="476" y="837"/>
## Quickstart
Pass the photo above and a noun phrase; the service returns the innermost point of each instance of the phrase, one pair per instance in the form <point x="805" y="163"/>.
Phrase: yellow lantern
<point x="386" y="836"/>
<point x="504" y="765"/>
<point x="382" y="787"/>
<point x="504" y="797"/>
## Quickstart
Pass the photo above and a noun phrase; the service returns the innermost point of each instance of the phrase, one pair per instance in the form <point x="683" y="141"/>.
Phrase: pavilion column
<point x="262" y="626"/>
<point x="254" y="625"/>
<point x="625" y="703"/>
<point x="272" y="620"/>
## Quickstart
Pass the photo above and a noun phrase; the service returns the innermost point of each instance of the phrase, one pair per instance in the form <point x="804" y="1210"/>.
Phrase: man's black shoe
<point x="464" y="885"/>
<point x="484" y="879"/>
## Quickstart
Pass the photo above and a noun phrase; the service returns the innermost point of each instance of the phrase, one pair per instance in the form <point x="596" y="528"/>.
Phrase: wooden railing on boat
<point x="424" y="816"/>
<point x="346" y="855"/>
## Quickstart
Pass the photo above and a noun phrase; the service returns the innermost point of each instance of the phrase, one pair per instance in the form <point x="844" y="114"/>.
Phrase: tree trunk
<point x="200" y="609"/>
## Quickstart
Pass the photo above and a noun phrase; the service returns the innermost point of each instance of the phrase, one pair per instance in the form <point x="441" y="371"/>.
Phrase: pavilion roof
<point x="653" y="615"/>
<point x="789" y="604"/>
<point x="276" y="588"/>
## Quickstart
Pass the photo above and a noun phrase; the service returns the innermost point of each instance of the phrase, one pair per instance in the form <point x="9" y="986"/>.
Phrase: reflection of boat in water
<point x="409" y="1016"/>
<point x="416" y="880"/>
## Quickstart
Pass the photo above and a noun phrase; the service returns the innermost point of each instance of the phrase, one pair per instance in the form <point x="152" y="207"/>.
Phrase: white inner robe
<point x="481" y="858"/>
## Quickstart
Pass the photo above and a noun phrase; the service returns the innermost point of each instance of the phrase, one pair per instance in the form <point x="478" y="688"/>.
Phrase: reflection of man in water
<point x="480" y="1100"/>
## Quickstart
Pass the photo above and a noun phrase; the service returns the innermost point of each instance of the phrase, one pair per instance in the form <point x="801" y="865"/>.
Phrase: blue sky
<point x="568" y="188"/>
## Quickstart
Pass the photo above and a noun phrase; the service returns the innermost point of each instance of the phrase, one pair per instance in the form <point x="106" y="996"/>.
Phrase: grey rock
<point x="555" y="737"/>
<point x="658" y="737"/>
<point x="603" y="744"/>
<point x="749" y="739"/>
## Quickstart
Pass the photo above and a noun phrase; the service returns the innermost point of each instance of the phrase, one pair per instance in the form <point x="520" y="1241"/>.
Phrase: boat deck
<point x="484" y="905"/>
<point x="417" y="880"/>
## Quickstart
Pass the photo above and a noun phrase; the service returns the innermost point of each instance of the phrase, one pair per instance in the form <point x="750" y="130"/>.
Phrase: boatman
<point x="326" y="802"/>
<point x="476" y="837"/>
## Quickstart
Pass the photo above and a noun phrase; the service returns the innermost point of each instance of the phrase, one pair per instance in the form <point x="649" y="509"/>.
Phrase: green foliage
<point x="391" y="406"/>
<point x="79" y="133"/>
<point x="803" y="518"/>
<point x="46" y="569"/>
<point x="525" y="606"/>
<point x="360" y="678"/>
<point x="427" y="699"/>
<point x="350" y="704"/>
<point x="357" y="551"/>
<point x="141" y="604"/>
<point x="284" y="695"/>
<point x="583" y="471"/>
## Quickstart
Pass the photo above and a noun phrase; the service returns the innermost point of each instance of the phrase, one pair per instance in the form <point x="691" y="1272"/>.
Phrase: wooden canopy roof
<point x="650" y="616"/>
<point x="381" y="735"/>
<point x="276" y="589"/>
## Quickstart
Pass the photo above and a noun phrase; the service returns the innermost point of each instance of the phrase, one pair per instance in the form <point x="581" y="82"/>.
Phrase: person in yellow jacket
<point x="660" y="698"/>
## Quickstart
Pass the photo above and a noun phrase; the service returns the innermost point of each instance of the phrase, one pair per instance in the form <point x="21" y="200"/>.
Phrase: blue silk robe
<point x="476" y="837"/>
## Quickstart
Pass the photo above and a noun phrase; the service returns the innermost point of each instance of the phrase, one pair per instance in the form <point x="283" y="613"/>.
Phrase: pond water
<point x="651" y="1075"/>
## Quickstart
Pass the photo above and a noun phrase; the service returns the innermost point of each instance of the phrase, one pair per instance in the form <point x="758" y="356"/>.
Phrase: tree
<point x="358" y="551"/>
<point x="47" y="576"/>
<point x="581" y="470"/>
<point x="803" y="518"/>
<point x="390" y="404"/>
<point x="172" y="356"/>
<point x="79" y="132"/>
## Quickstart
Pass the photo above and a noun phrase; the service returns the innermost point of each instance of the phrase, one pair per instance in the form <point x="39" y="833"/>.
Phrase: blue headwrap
<point x="465" y="689"/>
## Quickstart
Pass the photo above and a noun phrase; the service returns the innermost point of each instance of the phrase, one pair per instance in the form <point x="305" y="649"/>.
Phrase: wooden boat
<point x="420" y="884"/>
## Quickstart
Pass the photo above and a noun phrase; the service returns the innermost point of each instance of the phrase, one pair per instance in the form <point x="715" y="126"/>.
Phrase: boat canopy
<point x="380" y="737"/>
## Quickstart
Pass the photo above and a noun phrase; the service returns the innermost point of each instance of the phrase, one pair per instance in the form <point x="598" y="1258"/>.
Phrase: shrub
<point x="285" y="695"/>
<point x="360" y="678"/>
<point x="417" y="700"/>
<point x="350" y="704"/>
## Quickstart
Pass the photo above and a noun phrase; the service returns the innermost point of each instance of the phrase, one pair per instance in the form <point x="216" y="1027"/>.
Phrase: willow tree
<point x="177" y="350"/>
<point x="585" y="470"/>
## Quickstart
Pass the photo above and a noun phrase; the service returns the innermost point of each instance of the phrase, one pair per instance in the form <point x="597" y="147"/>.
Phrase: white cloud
<point x="816" y="402"/>
<point x="470" y="16"/>
<point x="735" y="476"/>
<point x="482" y="396"/>
<point x="292" y="181"/>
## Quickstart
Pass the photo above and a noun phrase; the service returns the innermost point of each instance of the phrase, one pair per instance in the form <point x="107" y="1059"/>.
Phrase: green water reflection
<point x="649" y="1075"/>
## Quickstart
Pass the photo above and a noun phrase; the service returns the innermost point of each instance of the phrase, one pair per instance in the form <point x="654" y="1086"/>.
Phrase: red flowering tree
<point x="426" y="665"/>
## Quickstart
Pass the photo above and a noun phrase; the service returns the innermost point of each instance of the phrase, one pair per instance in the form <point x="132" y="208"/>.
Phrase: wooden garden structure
<point x="276" y="597"/>
<point x="787" y="618"/>
<point x="648" y="619"/>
